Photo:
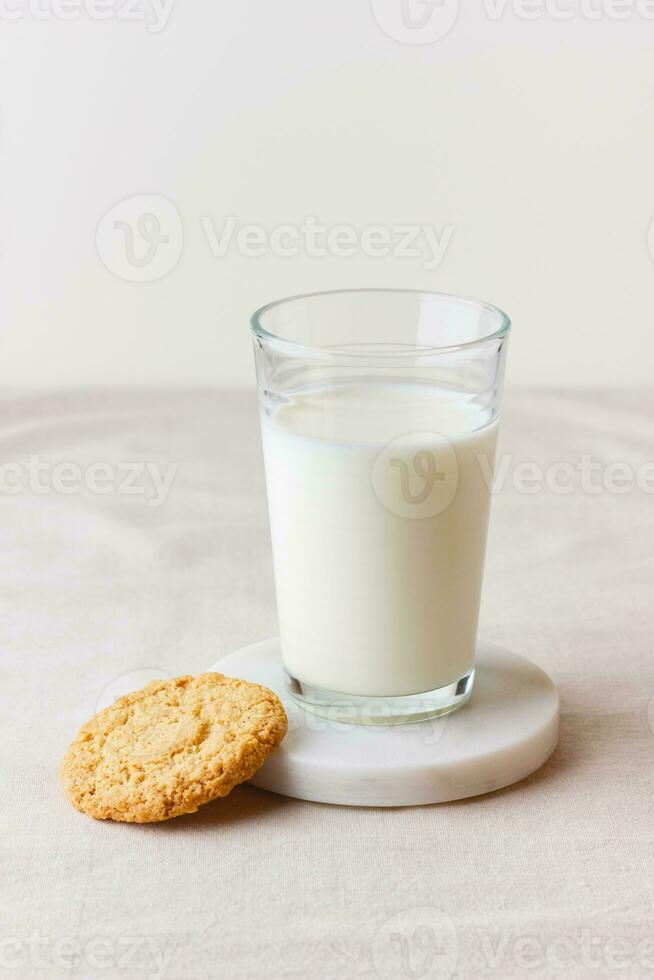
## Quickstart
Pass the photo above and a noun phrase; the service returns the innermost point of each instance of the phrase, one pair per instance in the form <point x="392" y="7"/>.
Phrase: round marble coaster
<point x="508" y="729"/>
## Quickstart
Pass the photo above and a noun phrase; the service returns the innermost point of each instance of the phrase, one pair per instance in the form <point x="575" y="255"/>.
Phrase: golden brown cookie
<point x="170" y="747"/>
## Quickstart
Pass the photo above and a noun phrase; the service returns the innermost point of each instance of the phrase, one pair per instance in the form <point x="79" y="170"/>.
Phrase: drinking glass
<point x="379" y="413"/>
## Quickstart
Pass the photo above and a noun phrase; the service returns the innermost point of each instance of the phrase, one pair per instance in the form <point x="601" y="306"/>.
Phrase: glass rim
<point x="260" y="331"/>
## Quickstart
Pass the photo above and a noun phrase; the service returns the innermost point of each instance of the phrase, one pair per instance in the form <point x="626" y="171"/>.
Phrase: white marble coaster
<point x="508" y="729"/>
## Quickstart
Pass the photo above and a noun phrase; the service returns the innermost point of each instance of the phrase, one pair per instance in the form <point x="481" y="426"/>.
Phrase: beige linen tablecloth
<point x="552" y="877"/>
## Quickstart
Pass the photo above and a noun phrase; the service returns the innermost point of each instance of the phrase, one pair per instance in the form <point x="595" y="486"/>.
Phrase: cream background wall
<point x="525" y="145"/>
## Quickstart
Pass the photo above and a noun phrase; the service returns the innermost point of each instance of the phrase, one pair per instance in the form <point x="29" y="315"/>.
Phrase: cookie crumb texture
<point x="170" y="747"/>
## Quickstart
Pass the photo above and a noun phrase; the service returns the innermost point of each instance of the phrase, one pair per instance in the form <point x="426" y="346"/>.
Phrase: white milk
<point x="378" y="552"/>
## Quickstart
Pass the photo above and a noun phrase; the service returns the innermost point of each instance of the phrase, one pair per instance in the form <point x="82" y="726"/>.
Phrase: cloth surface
<point x="552" y="877"/>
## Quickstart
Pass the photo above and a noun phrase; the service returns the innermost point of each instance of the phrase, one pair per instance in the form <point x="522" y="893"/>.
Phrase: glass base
<point x="359" y="710"/>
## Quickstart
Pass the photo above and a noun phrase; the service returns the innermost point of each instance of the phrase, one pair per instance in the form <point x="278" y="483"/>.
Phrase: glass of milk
<point x="379" y="416"/>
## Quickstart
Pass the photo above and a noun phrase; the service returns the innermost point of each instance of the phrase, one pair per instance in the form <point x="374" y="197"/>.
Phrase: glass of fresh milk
<point x="379" y="416"/>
